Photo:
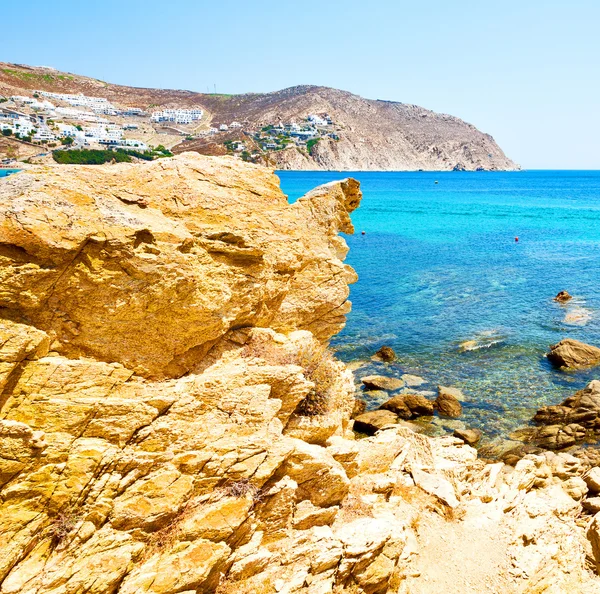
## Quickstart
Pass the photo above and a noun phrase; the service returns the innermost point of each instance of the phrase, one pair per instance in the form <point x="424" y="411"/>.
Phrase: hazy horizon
<point x="521" y="73"/>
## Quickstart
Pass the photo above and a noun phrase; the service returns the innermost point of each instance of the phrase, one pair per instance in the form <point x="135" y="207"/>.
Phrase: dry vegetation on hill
<point x="374" y="134"/>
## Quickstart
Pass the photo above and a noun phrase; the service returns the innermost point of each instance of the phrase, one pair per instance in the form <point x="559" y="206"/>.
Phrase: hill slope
<point x="373" y="134"/>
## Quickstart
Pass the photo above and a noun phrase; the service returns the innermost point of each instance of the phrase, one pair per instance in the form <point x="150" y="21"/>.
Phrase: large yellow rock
<point x="150" y="265"/>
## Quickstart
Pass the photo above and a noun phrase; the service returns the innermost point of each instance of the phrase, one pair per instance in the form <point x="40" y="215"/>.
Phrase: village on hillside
<point x="60" y="122"/>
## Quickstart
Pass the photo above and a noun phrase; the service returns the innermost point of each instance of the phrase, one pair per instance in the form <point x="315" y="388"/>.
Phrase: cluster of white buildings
<point x="316" y="120"/>
<point x="177" y="116"/>
<point x="96" y="104"/>
<point x="78" y="114"/>
<point x="23" y="126"/>
<point x="81" y="108"/>
<point x="32" y="102"/>
<point x="109" y="135"/>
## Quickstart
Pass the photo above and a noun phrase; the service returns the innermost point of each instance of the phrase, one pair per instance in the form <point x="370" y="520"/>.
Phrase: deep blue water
<point x="438" y="265"/>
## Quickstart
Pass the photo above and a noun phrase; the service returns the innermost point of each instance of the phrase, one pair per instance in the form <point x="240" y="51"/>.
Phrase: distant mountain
<point x="369" y="134"/>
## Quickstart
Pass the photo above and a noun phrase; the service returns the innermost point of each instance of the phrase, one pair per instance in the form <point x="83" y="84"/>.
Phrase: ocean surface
<point x="443" y="281"/>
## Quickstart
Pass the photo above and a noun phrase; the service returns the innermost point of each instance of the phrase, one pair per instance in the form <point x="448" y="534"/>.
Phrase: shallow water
<point x="442" y="281"/>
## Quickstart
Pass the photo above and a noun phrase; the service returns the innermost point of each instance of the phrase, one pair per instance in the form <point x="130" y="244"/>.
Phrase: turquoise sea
<point x="443" y="281"/>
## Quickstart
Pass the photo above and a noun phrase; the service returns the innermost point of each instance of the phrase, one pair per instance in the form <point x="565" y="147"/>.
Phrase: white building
<point x="177" y="116"/>
<point x="223" y="127"/>
<point x="44" y="134"/>
<point x="317" y="120"/>
<point x="133" y="143"/>
<point x="79" y="100"/>
<point x="65" y="130"/>
<point x="235" y="125"/>
<point x="77" y="114"/>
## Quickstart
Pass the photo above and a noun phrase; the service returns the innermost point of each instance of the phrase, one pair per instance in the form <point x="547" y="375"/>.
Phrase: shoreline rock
<point x="447" y="402"/>
<point x="118" y="472"/>
<point x="573" y="354"/>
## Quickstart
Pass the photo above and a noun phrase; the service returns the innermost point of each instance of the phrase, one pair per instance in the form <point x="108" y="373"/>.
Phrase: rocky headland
<point x="369" y="134"/>
<point x="171" y="420"/>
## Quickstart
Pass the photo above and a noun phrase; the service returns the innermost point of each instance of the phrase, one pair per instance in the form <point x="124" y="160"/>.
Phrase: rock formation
<point x="385" y="354"/>
<point x="572" y="354"/>
<point x="563" y="297"/>
<point x="171" y="422"/>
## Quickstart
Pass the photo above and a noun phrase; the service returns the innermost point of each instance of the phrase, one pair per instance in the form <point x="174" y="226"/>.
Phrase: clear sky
<point x="526" y="71"/>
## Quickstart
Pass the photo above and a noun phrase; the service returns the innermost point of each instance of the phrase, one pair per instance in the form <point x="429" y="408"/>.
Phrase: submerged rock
<point x="381" y="382"/>
<point x="454" y="392"/>
<point x="412" y="381"/>
<point x="386" y="354"/>
<point x="573" y="354"/>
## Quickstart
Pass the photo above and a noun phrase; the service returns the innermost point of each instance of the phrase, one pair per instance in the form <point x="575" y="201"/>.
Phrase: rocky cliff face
<point x="373" y="135"/>
<point x="170" y="421"/>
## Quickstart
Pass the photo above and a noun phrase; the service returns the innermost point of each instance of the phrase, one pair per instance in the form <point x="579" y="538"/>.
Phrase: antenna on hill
<point x="215" y="88"/>
<point x="207" y="90"/>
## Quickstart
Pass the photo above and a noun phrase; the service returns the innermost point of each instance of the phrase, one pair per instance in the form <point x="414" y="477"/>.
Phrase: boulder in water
<point x="419" y="405"/>
<point x="385" y="354"/>
<point x="408" y="406"/>
<point x="447" y="403"/>
<point x="398" y="406"/>
<point x="563" y="296"/>
<point x="573" y="354"/>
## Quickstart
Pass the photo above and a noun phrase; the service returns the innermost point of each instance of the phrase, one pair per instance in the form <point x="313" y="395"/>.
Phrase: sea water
<point x="443" y="281"/>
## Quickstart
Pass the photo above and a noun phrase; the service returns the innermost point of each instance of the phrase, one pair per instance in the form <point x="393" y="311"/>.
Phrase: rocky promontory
<point x="171" y="420"/>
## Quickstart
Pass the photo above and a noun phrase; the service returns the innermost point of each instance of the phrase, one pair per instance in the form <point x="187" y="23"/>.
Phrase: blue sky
<point x="525" y="71"/>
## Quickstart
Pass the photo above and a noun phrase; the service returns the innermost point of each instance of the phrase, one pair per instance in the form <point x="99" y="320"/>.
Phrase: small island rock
<point x="373" y="421"/>
<point x="563" y="296"/>
<point x="381" y="382"/>
<point x="386" y="354"/>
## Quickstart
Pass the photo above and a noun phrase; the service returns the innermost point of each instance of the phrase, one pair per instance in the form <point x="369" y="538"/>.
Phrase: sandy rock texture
<point x="220" y="456"/>
<point x="151" y="266"/>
